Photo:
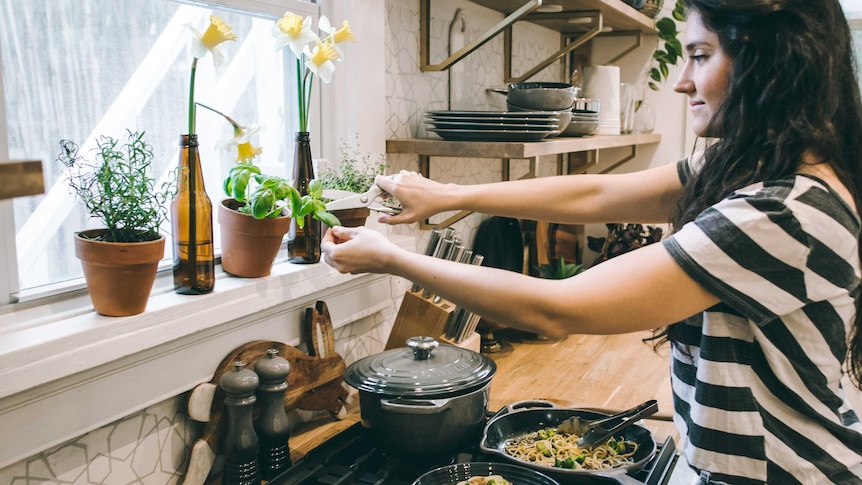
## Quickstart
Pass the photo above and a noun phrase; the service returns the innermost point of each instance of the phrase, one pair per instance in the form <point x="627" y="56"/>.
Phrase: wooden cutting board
<point x="314" y="384"/>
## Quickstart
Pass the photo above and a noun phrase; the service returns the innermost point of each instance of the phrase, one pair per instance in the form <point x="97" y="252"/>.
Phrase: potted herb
<point x="257" y="214"/>
<point x="353" y="173"/>
<point x="118" y="187"/>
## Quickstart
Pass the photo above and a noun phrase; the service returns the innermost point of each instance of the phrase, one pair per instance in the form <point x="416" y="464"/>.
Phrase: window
<point x="79" y="70"/>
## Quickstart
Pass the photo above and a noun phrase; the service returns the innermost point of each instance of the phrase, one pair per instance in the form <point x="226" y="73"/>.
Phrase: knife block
<point x="419" y="316"/>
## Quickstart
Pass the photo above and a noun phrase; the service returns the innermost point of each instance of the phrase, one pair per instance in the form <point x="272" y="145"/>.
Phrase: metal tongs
<point x="344" y="199"/>
<point x="593" y="432"/>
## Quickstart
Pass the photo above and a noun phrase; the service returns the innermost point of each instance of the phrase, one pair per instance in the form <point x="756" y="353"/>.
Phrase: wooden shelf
<point x="435" y="147"/>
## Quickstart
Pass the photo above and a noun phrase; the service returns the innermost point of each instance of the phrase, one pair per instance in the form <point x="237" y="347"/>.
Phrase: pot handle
<point x="433" y="406"/>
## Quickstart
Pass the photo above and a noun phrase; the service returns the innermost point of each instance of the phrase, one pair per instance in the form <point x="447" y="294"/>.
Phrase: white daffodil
<point x="294" y="31"/>
<point x="337" y="35"/>
<point x="320" y="60"/>
<point x="211" y="39"/>
<point x="241" y="141"/>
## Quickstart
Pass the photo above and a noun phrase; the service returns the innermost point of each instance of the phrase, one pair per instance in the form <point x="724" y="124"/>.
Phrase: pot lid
<point x="422" y="369"/>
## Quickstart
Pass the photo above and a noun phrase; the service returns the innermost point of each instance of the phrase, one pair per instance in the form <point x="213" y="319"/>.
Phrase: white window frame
<point x="64" y="370"/>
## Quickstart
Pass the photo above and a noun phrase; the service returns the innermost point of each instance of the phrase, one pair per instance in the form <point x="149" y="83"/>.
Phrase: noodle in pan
<point x="555" y="449"/>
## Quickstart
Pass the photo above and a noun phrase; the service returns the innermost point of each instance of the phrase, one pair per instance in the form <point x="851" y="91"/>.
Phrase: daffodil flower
<point x="294" y="31"/>
<point x="245" y="151"/>
<point x="337" y="36"/>
<point x="211" y="39"/>
<point x="320" y="60"/>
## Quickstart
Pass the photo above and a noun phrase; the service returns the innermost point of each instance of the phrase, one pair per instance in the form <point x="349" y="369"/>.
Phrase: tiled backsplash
<point x="152" y="446"/>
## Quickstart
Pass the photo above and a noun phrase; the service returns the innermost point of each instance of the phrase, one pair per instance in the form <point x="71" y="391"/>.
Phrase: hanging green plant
<point x="669" y="49"/>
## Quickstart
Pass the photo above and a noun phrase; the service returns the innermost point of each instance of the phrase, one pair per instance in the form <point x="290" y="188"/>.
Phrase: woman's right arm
<point x="645" y="197"/>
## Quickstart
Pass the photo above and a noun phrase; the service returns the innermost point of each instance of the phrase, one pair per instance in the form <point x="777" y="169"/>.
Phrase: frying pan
<point x="517" y="419"/>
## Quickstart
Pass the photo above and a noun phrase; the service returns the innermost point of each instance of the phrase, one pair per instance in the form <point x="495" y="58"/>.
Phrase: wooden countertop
<point x="609" y="372"/>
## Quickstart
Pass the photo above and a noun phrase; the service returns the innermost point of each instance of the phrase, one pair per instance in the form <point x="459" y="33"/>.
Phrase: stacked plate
<point x="493" y="125"/>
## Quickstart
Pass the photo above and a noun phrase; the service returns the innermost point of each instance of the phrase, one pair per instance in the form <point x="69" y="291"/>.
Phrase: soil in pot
<point x="352" y="217"/>
<point x="249" y="245"/>
<point x="119" y="276"/>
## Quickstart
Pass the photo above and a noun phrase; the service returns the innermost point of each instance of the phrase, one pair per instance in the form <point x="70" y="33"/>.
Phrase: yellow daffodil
<point x="210" y="39"/>
<point x="294" y="31"/>
<point x="320" y="60"/>
<point x="337" y="36"/>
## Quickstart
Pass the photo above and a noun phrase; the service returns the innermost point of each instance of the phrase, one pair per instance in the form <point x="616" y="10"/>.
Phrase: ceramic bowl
<point x="543" y="96"/>
<point x="581" y="128"/>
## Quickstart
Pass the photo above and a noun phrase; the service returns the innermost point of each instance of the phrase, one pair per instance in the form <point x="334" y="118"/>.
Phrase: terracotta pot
<point x="248" y="245"/>
<point x="352" y="217"/>
<point x="119" y="276"/>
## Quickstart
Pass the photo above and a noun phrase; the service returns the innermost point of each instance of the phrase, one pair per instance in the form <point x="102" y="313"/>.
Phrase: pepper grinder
<point x="272" y="425"/>
<point x="241" y="445"/>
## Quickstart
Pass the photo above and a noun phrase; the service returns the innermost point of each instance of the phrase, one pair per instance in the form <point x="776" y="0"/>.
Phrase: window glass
<point x="79" y="69"/>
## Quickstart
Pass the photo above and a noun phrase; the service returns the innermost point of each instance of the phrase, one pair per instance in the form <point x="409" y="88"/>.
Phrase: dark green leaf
<point x="327" y="218"/>
<point x="663" y="67"/>
<point x="654" y="74"/>
<point x="653" y="86"/>
<point x="666" y="27"/>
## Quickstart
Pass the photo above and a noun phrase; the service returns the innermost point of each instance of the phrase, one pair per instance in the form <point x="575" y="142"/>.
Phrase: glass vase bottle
<point x="303" y="243"/>
<point x="192" y="222"/>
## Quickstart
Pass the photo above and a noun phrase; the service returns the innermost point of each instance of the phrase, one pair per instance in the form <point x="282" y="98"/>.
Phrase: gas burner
<point x="350" y="458"/>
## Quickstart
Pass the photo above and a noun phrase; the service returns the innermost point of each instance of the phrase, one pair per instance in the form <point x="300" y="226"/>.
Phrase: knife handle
<point x="442" y="252"/>
<point x="433" y="242"/>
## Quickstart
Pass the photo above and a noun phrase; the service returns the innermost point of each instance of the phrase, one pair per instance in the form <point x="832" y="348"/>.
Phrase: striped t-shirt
<point x="757" y="378"/>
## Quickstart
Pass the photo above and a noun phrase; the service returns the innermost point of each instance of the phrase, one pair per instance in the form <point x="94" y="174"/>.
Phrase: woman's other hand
<point x="357" y="250"/>
<point x="420" y="197"/>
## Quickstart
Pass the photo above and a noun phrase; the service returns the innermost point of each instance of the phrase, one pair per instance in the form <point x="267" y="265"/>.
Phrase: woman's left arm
<point x="639" y="290"/>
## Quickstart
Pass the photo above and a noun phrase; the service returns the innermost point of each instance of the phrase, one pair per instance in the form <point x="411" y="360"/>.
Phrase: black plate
<point x="519" y="422"/>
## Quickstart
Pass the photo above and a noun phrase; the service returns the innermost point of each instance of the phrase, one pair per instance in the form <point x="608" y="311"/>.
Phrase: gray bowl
<point x="541" y="95"/>
<point x="580" y="128"/>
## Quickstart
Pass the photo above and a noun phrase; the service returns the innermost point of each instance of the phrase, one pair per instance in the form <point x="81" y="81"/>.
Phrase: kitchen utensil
<point x="423" y="401"/>
<point x="344" y="199"/>
<point x="433" y="241"/>
<point x="541" y="95"/>
<point x="452" y="474"/>
<point x="514" y="421"/>
<point x="580" y="128"/>
<point x="593" y="432"/>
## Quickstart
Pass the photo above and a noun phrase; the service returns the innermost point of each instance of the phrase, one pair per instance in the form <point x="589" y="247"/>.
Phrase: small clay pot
<point x="248" y="245"/>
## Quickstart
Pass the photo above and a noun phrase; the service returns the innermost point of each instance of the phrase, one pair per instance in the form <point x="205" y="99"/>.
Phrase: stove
<point x="350" y="458"/>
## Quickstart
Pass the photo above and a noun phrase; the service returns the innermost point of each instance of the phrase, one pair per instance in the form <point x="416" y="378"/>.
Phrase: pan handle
<point x="524" y="404"/>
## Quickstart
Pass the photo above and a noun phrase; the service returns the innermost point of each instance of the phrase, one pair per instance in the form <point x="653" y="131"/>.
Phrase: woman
<point x="755" y="288"/>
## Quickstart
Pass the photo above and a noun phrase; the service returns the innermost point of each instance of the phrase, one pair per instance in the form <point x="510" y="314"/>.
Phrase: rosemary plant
<point x="118" y="188"/>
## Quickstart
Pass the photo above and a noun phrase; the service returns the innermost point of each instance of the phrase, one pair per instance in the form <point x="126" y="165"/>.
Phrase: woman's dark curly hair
<point x="792" y="91"/>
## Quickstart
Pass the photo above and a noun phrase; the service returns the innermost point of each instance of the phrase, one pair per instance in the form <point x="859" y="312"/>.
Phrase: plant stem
<point x="308" y="100"/>
<point x="192" y="97"/>
<point x="228" y="118"/>
<point x="301" y="83"/>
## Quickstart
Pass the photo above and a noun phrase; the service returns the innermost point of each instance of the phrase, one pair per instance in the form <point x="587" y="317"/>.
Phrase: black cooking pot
<point x="514" y="421"/>
<point x="424" y="401"/>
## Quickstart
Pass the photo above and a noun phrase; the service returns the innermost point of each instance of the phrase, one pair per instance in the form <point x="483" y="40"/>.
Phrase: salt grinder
<point x="241" y="445"/>
<point x="272" y="425"/>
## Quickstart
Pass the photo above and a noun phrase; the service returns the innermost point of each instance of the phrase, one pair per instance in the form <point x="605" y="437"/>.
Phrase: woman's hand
<point x="357" y="250"/>
<point x="420" y="197"/>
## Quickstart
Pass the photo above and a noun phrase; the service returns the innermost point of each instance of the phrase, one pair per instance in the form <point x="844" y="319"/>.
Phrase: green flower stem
<point x="308" y="99"/>
<point x="228" y="118"/>
<point x="192" y="97"/>
<point x="303" y="122"/>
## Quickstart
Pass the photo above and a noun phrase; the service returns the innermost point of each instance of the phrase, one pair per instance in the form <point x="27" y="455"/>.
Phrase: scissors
<point x="344" y="199"/>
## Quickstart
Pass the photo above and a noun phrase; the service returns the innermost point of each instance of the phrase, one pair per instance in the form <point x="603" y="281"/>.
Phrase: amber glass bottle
<point x="303" y="243"/>
<point x="192" y="222"/>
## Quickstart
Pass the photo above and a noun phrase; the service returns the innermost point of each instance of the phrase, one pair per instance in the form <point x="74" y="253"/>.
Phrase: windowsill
<point x="71" y="370"/>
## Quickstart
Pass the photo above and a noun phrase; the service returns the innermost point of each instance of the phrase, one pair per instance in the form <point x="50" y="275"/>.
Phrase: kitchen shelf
<point x="587" y="147"/>
<point x="599" y="16"/>
<point x="506" y="149"/>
